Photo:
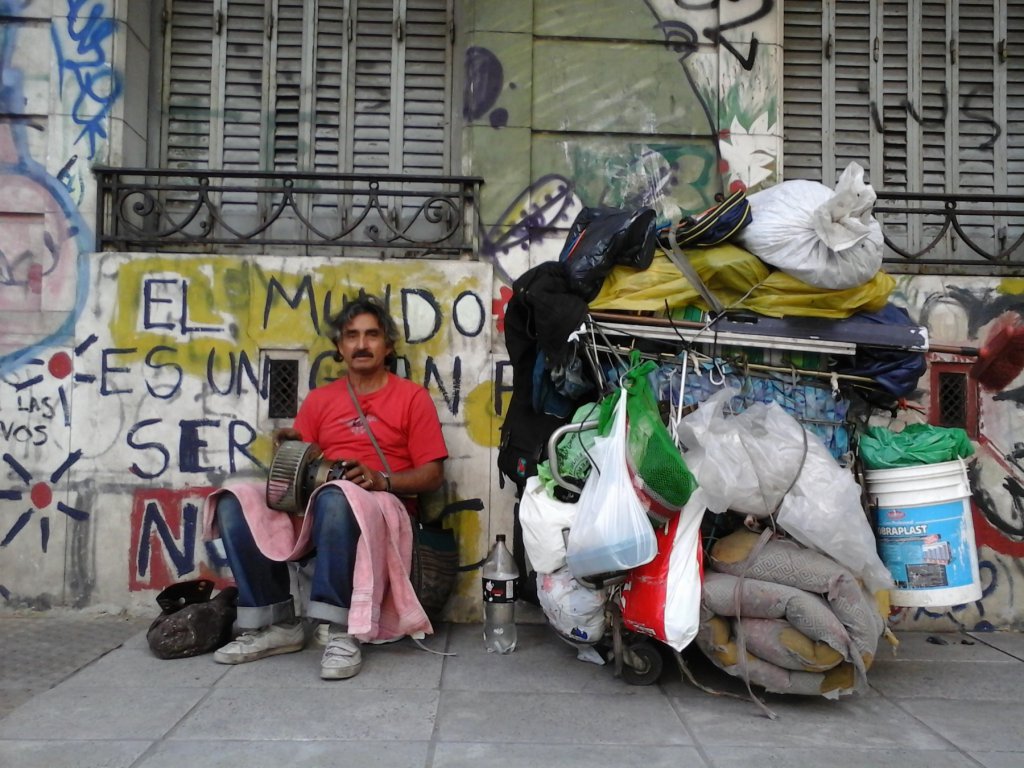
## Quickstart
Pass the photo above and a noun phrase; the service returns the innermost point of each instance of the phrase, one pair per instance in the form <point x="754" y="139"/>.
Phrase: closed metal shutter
<point x="926" y="96"/>
<point x="360" y="86"/>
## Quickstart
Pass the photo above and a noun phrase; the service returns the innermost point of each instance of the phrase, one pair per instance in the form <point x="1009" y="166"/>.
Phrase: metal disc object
<point x="287" y="470"/>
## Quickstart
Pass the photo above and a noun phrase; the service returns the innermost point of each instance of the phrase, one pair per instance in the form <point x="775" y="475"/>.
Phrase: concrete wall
<point x="130" y="382"/>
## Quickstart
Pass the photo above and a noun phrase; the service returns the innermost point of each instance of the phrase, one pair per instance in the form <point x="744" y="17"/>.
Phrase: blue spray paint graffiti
<point x="484" y="83"/>
<point x="86" y="65"/>
<point x="24" y="169"/>
<point x="41" y="496"/>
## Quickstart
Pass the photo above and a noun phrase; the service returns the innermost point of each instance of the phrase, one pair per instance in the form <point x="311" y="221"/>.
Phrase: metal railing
<point x="954" y="234"/>
<point x="144" y="209"/>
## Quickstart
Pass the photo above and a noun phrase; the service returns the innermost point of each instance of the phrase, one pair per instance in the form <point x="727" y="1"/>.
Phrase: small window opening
<point x="282" y="389"/>
<point x="954" y="401"/>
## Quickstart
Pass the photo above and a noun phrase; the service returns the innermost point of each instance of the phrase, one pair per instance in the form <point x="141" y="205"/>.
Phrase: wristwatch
<point x="387" y="481"/>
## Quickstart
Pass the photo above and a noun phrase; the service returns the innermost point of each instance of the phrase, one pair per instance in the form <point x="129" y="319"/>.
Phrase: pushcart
<point x="636" y="658"/>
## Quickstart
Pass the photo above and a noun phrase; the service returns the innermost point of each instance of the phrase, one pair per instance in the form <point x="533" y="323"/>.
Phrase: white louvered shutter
<point x="374" y="58"/>
<point x="917" y="92"/>
<point x="427" y="87"/>
<point x="188" y="75"/>
<point x="423" y="107"/>
<point x="892" y="32"/>
<point x="307" y="86"/>
<point x="803" y="81"/>
<point x="242" y="44"/>
<point x="1010" y="60"/>
<point x="400" y="94"/>
<point x="330" y="98"/>
<point x="1010" y="64"/>
<point x="401" y="86"/>
<point x="329" y="106"/>
<point x="290" y="87"/>
<point x="851" y="52"/>
<point x="244" y="41"/>
<point x="974" y="65"/>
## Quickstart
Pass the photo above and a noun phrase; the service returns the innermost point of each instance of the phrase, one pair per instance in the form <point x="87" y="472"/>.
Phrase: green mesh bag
<point x="656" y="467"/>
<point x="572" y="451"/>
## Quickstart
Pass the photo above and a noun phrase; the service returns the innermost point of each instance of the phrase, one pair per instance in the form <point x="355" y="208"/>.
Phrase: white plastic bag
<point x="662" y="598"/>
<point x="611" y="531"/>
<point x="745" y="463"/>
<point x="543" y="519"/>
<point x="575" y="611"/>
<point x="826" y="238"/>
<point x="724" y="459"/>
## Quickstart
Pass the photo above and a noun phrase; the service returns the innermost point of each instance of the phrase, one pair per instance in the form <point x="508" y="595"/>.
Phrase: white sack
<point x="827" y="239"/>
<point x="745" y="463"/>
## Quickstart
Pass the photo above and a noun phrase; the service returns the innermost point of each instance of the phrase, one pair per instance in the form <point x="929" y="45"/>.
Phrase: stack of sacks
<point x="808" y="625"/>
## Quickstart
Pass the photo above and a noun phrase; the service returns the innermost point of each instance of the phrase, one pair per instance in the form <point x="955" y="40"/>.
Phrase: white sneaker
<point x="342" y="657"/>
<point x="320" y="635"/>
<point x="256" y="644"/>
<point x="322" y="630"/>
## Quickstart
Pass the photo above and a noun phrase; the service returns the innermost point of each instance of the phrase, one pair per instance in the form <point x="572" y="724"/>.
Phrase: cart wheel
<point x="643" y="664"/>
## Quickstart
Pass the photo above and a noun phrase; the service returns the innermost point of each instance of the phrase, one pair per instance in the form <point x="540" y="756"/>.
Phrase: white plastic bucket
<point x="925" y="533"/>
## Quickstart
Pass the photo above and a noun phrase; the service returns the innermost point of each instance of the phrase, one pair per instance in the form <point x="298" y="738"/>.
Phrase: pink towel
<point x="384" y="604"/>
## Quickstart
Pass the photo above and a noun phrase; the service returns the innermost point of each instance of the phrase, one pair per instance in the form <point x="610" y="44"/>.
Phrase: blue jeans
<point x="264" y="594"/>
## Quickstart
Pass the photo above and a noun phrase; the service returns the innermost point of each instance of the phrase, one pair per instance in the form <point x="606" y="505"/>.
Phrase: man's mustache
<point x="364" y="353"/>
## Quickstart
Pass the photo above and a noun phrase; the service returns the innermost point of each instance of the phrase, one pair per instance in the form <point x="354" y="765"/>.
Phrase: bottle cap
<point x="500" y="537"/>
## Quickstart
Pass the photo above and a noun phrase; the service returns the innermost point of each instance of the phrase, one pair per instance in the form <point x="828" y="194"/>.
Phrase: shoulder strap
<point x="366" y="426"/>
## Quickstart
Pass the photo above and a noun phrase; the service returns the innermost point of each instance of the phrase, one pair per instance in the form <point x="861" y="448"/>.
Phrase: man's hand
<point x="285" y="433"/>
<point x="365" y="477"/>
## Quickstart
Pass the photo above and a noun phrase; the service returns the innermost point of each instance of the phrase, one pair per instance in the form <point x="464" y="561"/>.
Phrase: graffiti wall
<point x="170" y="386"/>
<point x="179" y="350"/>
<point x="691" y="106"/>
<point x="130" y="384"/>
<point x="44" y="248"/>
<point x="978" y="312"/>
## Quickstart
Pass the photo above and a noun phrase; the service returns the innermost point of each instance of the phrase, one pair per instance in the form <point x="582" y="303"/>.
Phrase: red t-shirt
<point x="401" y="414"/>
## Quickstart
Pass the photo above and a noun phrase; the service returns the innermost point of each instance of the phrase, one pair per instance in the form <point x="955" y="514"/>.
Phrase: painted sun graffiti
<point x="40" y="494"/>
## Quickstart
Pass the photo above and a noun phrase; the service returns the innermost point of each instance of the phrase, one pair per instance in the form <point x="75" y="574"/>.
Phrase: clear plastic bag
<point x="746" y="463"/>
<point x="724" y="458"/>
<point x="575" y="611"/>
<point x="611" y="531"/>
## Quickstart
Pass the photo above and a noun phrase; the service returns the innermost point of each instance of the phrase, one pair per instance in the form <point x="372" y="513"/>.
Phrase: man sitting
<point x="392" y="413"/>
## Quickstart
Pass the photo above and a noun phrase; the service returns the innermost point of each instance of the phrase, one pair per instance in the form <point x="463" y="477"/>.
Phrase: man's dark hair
<point x="364" y="304"/>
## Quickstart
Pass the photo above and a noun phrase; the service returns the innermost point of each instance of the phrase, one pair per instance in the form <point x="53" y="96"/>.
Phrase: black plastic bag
<point x="602" y="238"/>
<point x="191" y="622"/>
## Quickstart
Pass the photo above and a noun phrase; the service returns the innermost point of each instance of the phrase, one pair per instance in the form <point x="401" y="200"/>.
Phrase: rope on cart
<point x="766" y="534"/>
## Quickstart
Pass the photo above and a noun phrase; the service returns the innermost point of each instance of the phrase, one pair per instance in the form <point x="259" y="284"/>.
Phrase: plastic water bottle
<point x="499" y="583"/>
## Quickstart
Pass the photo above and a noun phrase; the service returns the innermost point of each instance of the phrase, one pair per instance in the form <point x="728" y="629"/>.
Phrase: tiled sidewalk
<point x="37" y="651"/>
<point x="936" y="705"/>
